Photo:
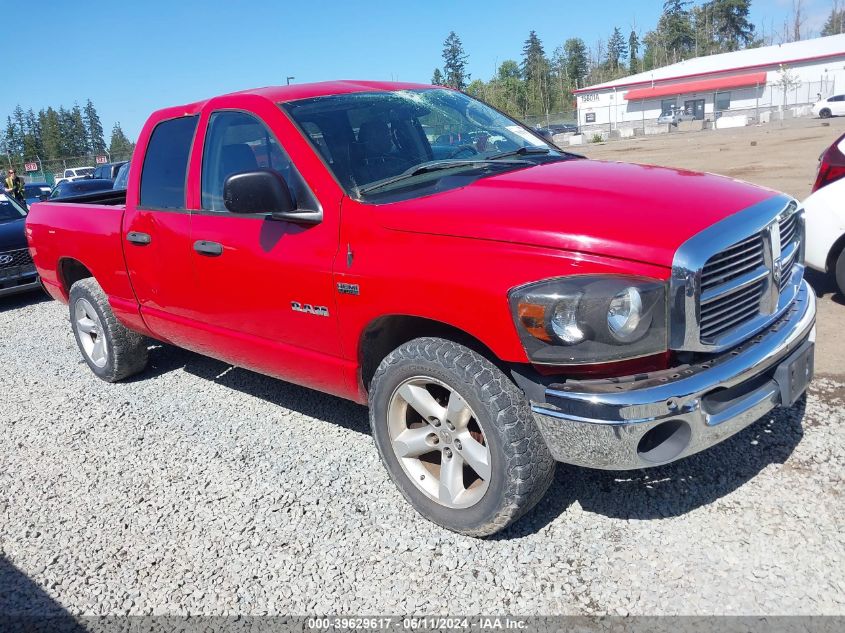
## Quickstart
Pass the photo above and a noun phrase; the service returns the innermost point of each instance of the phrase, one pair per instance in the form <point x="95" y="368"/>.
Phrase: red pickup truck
<point x="498" y="303"/>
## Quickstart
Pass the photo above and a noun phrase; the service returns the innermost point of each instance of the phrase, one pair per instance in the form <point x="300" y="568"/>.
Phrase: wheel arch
<point x="385" y="333"/>
<point x="833" y="253"/>
<point x="70" y="270"/>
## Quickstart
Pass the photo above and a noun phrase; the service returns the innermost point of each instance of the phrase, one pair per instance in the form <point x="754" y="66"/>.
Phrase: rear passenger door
<point x="157" y="228"/>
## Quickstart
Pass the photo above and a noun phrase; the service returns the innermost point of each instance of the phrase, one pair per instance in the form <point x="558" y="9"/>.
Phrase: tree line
<point x="60" y="133"/>
<point x="539" y="83"/>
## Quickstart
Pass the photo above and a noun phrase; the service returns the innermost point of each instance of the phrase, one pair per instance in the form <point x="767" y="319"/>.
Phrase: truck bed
<point x="109" y="197"/>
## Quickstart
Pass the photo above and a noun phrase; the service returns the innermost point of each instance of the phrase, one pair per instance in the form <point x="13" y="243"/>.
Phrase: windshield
<point x="10" y="211"/>
<point x="375" y="137"/>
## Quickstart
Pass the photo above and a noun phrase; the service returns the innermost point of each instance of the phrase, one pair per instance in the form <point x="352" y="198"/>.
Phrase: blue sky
<point x="133" y="57"/>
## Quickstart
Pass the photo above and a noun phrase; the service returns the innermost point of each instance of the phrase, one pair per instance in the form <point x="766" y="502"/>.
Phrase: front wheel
<point x="457" y="437"/>
<point x="824" y="114"/>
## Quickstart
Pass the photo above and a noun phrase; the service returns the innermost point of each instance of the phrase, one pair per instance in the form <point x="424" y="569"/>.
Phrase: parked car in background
<point x="497" y="312"/>
<point x="832" y="106"/>
<point x="109" y="170"/>
<point x="80" y="187"/>
<point x="17" y="272"/>
<point x="824" y="215"/>
<point x="558" y="128"/>
<point x="75" y="173"/>
<point x="36" y="191"/>
<point x="675" y="116"/>
<point x="122" y="178"/>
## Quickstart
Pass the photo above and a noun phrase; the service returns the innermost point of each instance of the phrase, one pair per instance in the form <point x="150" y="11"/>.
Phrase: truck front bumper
<point x="659" y="417"/>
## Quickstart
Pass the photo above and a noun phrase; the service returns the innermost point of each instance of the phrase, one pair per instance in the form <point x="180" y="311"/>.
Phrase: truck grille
<point x="732" y="287"/>
<point x="20" y="257"/>
<point x="789" y="245"/>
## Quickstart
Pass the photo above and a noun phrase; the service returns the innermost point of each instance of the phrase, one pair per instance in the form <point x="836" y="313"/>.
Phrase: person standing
<point x="14" y="186"/>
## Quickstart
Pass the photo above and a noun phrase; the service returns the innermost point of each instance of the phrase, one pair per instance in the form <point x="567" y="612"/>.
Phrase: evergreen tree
<point x="120" y="146"/>
<point x="835" y="23"/>
<point x="437" y="77"/>
<point x="535" y="72"/>
<point x="51" y="133"/>
<point x="77" y="138"/>
<point x="93" y="129"/>
<point x="12" y="139"/>
<point x="32" y="144"/>
<point x="675" y="30"/>
<point x="454" y="62"/>
<point x="576" y="64"/>
<point x="634" y="51"/>
<point x="731" y="25"/>
<point x="616" y="48"/>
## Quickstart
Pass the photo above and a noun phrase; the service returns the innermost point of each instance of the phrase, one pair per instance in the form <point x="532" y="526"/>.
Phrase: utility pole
<point x="289" y="79"/>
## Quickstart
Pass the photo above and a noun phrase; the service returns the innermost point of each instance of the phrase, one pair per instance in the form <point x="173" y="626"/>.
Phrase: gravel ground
<point x="198" y="488"/>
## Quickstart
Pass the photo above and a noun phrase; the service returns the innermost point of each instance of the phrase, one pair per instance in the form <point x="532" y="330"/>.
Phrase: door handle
<point x="141" y="239"/>
<point x="212" y="249"/>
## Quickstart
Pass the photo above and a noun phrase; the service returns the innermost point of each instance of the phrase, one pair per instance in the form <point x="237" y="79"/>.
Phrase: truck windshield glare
<point x="371" y="138"/>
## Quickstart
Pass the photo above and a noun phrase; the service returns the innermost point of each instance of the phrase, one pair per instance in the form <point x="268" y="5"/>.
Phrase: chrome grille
<point x="20" y="257"/>
<point x="736" y="276"/>
<point x="728" y="311"/>
<point x="790" y="245"/>
<point x="732" y="287"/>
<point x="733" y="262"/>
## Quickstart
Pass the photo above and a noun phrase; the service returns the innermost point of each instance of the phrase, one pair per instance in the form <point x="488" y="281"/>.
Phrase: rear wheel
<point x="457" y="437"/>
<point x="111" y="350"/>
<point x="824" y="113"/>
<point x="839" y="272"/>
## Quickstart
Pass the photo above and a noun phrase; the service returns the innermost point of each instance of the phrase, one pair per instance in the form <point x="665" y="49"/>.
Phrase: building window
<point x="723" y="101"/>
<point x="667" y="106"/>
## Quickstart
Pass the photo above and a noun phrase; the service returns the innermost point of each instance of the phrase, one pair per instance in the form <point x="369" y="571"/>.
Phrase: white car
<point x="74" y="173"/>
<point x="832" y="106"/>
<point x="825" y="216"/>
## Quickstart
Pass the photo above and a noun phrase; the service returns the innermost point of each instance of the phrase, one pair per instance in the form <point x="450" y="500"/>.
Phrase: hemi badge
<point x="348" y="289"/>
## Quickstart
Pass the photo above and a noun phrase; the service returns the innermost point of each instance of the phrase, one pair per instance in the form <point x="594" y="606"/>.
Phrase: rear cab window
<point x="165" y="166"/>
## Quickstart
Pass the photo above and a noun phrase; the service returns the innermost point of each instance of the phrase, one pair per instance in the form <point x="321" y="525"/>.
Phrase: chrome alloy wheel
<point x="438" y="441"/>
<point x="90" y="332"/>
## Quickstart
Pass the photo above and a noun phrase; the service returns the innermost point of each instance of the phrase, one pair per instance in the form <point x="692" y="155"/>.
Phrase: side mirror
<point x="264" y="191"/>
<point x="545" y="134"/>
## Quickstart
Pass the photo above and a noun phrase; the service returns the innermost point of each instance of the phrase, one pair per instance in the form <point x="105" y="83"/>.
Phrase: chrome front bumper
<point x="659" y="417"/>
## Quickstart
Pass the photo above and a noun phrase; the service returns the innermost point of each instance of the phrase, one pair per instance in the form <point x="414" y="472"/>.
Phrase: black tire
<point x="824" y="113"/>
<point x="839" y="272"/>
<point x="520" y="463"/>
<point x="125" y="350"/>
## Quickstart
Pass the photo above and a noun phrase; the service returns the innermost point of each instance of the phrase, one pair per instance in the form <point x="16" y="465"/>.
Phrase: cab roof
<point x="279" y="94"/>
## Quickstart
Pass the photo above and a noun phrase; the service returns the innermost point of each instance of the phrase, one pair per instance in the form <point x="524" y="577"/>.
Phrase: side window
<point x="166" y="164"/>
<point x="837" y="98"/>
<point x="238" y="142"/>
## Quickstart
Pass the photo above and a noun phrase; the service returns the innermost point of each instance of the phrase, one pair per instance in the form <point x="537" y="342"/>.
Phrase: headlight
<point x="591" y="318"/>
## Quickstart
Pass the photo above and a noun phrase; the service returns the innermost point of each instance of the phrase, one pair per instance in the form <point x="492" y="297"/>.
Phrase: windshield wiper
<point x="522" y="151"/>
<point x="435" y="165"/>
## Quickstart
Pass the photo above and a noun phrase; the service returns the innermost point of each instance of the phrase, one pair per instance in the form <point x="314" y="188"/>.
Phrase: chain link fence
<point x="49" y="171"/>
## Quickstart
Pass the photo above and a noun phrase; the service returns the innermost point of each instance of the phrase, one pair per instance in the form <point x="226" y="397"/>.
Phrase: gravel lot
<point x="199" y="488"/>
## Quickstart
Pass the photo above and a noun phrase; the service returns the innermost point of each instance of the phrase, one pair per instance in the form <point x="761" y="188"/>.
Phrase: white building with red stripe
<point x="748" y="81"/>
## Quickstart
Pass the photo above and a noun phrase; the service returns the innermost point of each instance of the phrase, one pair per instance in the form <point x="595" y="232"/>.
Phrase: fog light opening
<point x="664" y="442"/>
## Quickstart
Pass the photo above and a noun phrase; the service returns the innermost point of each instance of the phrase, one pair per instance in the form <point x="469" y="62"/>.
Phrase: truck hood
<point x="636" y="212"/>
<point x="12" y="235"/>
